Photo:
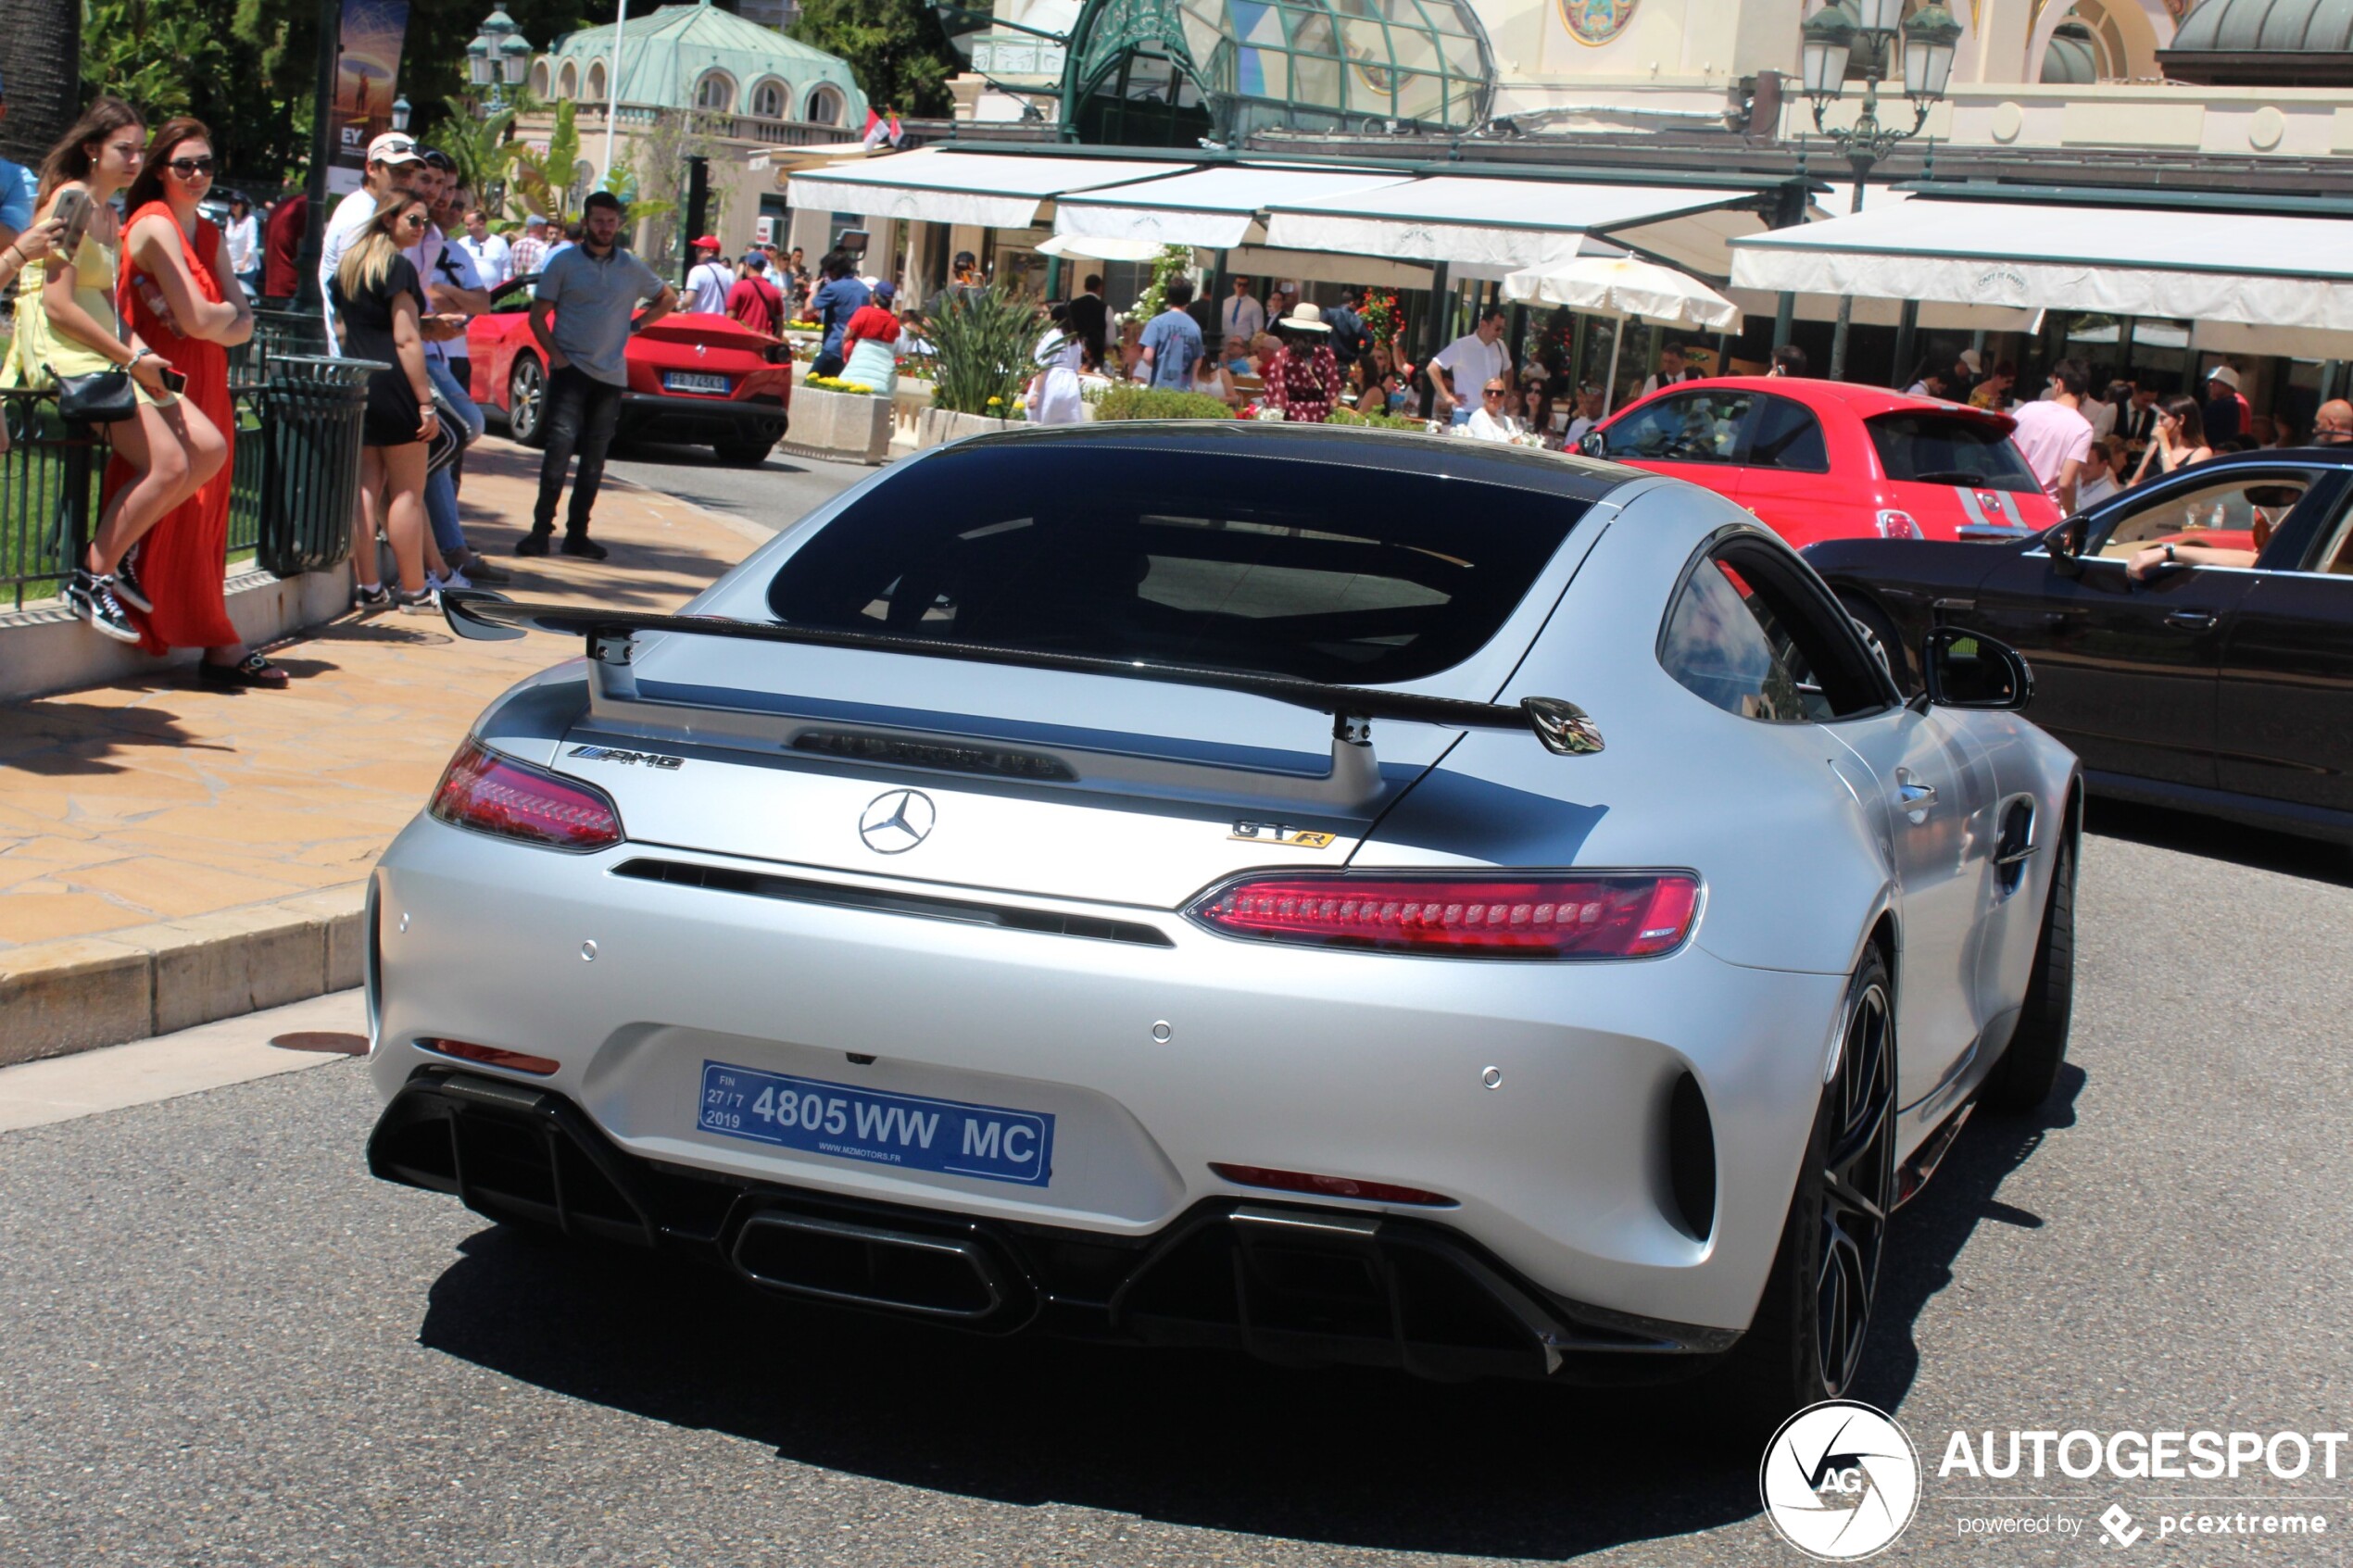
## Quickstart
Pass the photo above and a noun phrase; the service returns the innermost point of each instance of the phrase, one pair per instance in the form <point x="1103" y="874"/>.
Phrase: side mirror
<point x="1965" y="668"/>
<point x="2066" y="545"/>
<point x="1591" y="445"/>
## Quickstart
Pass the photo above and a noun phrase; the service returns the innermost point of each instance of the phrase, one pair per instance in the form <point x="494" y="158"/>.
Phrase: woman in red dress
<point x="178" y="291"/>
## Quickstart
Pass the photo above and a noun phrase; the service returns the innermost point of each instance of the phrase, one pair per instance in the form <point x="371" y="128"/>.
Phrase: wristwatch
<point x="2168" y="553"/>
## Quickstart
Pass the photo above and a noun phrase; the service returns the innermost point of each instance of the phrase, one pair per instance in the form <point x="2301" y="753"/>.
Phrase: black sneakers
<point x="127" y="587"/>
<point x="366" y="597"/>
<point x="581" y="544"/>
<point x="532" y="544"/>
<point x="90" y="596"/>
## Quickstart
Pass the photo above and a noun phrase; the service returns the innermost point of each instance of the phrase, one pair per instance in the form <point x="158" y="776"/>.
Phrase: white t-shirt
<point x="490" y="256"/>
<point x="707" y="287"/>
<point x="1473" y="364"/>
<point x="244" y="237"/>
<point x="2091" y="492"/>
<point x="350" y="215"/>
<point x="447" y="263"/>
<point x="2049" y="435"/>
<point x="1484" y="426"/>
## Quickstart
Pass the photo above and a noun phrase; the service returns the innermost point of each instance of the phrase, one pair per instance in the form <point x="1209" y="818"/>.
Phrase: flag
<point x="876" y="130"/>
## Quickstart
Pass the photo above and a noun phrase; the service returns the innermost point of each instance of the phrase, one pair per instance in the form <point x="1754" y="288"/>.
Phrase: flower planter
<point x="934" y="426"/>
<point x="854" y="425"/>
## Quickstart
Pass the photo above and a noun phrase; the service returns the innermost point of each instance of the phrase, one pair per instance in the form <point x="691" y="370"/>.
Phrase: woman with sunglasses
<point x="67" y="328"/>
<point x="181" y="297"/>
<point x="379" y="302"/>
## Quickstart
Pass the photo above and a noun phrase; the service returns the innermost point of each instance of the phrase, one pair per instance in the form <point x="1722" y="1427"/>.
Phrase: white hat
<point x="1306" y="317"/>
<point x="2224" y="374"/>
<point x="394" y="146"/>
<point x="1969" y="358"/>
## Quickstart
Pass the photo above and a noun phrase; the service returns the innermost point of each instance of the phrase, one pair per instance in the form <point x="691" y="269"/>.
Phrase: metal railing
<point x="293" y="477"/>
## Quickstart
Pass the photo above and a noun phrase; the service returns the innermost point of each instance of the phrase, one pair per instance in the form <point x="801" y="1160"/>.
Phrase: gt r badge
<point x="896" y="819"/>
<point x="1275" y="832"/>
<point x="614" y="754"/>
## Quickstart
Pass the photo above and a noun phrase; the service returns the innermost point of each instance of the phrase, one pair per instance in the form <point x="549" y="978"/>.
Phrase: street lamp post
<point x="498" y="58"/>
<point x="1832" y="36"/>
<point x="401" y="112"/>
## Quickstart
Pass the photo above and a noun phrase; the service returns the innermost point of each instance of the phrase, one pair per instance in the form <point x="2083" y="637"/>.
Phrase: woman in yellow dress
<point x="67" y="326"/>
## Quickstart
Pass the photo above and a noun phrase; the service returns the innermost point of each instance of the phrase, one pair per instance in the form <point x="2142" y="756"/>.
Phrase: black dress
<point x="393" y="413"/>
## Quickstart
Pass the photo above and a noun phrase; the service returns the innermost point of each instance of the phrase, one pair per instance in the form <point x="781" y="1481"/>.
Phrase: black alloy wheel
<point x="527" y="402"/>
<point x="1857" y="1185"/>
<point x="1806" y="1343"/>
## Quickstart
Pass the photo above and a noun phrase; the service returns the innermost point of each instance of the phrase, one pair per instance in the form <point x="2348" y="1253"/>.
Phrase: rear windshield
<point x="1941" y="449"/>
<point x="1324" y="571"/>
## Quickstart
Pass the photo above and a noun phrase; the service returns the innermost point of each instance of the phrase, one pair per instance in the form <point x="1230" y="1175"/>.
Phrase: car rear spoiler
<point x="1560" y="726"/>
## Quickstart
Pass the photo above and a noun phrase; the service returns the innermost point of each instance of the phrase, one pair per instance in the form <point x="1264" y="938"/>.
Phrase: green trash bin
<point x="277" y="333"/>
<point x="311" y="409"/>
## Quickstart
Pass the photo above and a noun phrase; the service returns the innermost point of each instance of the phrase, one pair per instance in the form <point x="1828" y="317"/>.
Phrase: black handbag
<point x="102" y="397"/>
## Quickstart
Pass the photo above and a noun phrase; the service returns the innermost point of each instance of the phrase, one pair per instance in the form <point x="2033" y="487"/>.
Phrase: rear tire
<point x="1881" y="636"/>
<point x="1806" y="1343"/>
<point x="527" y="402"/>
<point x="2029" y="1069"/>
<point x="746" y="451"/>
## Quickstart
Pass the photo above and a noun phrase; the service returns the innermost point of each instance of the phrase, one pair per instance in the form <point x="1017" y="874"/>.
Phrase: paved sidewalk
<point x="153" y="819"/>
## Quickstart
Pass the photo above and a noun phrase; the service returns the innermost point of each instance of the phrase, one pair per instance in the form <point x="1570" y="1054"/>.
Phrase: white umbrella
<point x="1626" y="287"/>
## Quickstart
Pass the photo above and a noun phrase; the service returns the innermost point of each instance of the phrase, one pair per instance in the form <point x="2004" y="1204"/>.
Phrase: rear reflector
<point x="1593" y="915"/>
<point x="497" y="795"/>
<point x="491" y="1056"/>
<point x="1328" y="1186"/>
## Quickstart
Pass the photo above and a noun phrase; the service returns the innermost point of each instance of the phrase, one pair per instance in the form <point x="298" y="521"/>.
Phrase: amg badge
<point x="614" y="754"/>
<point x="1276" y="833"/>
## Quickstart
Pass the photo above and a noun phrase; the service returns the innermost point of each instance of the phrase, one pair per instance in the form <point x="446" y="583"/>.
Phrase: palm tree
<point x="41" y="59"/>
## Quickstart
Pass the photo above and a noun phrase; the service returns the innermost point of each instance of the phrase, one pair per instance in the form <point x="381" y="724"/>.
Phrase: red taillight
<point x="494" y="793"/>
<point x="1597" y="915"/>
<point x="1328" y="1186"/>
<point x="1894" y="524"/>
<point x="491" y="1056"/>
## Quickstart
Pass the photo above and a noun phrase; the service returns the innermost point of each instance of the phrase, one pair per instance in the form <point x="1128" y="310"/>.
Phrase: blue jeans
<point x="441" y="487"/>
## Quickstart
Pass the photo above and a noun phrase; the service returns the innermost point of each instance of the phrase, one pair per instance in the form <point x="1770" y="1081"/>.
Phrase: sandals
<point x="251" y="670"/>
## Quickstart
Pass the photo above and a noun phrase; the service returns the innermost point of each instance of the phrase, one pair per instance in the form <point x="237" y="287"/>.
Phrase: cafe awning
<point x="1483" y="227"/>
<point x="936" y="185"/>
<point x="2290" y="272"/>
<point x="1216" y="208"/>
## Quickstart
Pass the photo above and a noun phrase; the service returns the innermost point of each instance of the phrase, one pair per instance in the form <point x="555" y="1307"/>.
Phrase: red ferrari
<point x="1826" y="459"/>
<point x="691" y="378"/>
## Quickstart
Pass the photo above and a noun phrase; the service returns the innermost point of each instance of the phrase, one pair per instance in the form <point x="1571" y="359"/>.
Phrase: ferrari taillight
<point x="1568" y="915"/>
<point x="489" y="793"/>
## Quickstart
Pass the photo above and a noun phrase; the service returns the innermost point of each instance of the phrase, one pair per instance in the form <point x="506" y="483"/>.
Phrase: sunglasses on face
<point x="1491" y="391"/>
<point x="190" y="168"/>
<point x="413" y="219"/>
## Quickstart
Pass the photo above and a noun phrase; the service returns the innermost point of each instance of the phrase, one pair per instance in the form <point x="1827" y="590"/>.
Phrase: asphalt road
<point x="225" y="1344"/>
<point x="777" y="494"/>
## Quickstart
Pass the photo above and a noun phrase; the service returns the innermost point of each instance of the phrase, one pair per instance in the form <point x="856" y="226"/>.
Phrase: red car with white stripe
<point x="1826" y="459"/>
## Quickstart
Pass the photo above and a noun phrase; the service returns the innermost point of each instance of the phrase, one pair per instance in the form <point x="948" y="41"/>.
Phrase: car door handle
<point x="1913" y="797"/>
<point x="2191" y="619"/>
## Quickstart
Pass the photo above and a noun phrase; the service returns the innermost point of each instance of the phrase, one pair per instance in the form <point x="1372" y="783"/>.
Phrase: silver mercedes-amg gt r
<point x="1345" y="896"/>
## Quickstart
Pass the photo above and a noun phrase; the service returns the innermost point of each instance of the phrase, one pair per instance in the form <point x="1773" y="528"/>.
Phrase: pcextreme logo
<point x="1840" y="1481"/>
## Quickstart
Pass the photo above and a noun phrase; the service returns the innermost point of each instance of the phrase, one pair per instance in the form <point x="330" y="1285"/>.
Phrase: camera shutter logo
<point x="1840" y="1481"/>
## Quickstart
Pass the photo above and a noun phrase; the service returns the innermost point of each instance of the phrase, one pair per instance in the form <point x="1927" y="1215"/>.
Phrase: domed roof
<point x="664" y="56"/>
<point x="2072" y="60"/>
<point x="2263" y="43"/>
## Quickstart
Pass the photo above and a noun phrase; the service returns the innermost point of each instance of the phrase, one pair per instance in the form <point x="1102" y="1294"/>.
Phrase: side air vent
<point x="800" y="890"/>
<point x="1691" y="1157"/>
<point x="2015" y="849"/>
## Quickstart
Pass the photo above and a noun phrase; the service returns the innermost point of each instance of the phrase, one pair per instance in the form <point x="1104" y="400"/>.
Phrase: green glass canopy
<point x="1298" y="64"/>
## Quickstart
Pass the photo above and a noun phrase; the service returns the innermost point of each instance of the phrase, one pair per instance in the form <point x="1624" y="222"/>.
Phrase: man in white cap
<point x="393" y="163"/>
<point x="529" y="257"/>
<point x="708" y="281"/>
<point x="2226" y="412"/>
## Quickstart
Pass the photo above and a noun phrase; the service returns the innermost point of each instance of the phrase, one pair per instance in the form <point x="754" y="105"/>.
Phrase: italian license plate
<point x="693" y="380"/>
<point x="993" y="1142"/>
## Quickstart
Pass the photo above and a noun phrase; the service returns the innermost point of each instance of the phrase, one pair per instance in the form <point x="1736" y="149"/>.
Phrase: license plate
<point x="693" y="380"/>
<point x="912" y="1132"/>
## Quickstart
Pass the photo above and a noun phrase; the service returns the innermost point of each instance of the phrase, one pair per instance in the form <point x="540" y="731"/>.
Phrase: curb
<point x="84" y="992"/>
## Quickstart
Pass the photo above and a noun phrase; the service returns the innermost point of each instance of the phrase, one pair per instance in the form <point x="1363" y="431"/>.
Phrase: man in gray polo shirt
<point x="590" y="289"/>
